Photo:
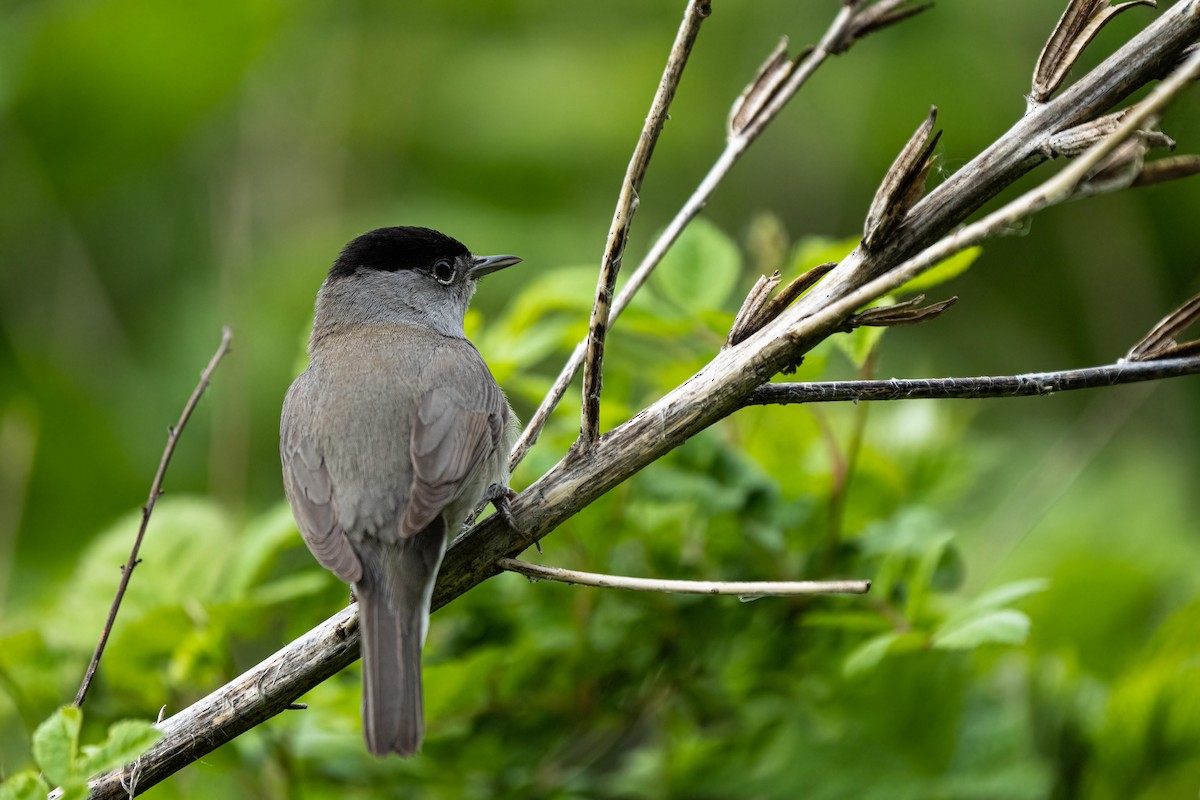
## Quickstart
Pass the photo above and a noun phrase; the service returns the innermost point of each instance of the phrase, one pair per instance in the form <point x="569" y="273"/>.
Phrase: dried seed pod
<point x="906" y="313"/>
<point x="1076" y="140"/>
<point x="903" y="185"/>
<point x="770" y="77"/>
<point x="1079" y="24"/>
<point x="1160" y="341"/>
<point x="882" y="15"/>
<point x="1168" y="169"/>
<point x="757" y="310"/>
<point x="748" y="319"/>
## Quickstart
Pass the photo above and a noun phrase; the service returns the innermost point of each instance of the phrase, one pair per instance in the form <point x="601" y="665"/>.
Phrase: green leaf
<point x="568" y="289"/>
<point x="1005" y="626"/>
<point x="55" y="742"/>
<point x="867" y="655"/>
<point x="911" y="532"/>
<point x="701" y="269"/>
<point x="191" y="534"/>
<point x="1006" y="594"/>
<point x="292" y="587"/>
<point x="260" y="544"/>
<point x="127" y="739"/>
<point x="921" y="583"/>
<point x="857" y="620"/>
<point x="813" y="251"/>
<point x="870" y="653"/>
<point x="943" y="271"/>
<point x="461" y="685"/>
<point x="27" y="785"/>
<point x="76" y="789"/>
<point x="858" y="343"/>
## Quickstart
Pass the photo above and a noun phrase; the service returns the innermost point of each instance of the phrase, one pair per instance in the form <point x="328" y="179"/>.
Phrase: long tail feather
<point x="393" y="598"/>
<point x="393" y="703"/>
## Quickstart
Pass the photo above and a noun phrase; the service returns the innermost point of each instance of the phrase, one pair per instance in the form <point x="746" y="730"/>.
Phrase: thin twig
<point x="1026" y="385"/>
<point x="735" y="146"/>
<point x="618" y="233"/>
<point x="742" y="588"/>
<point x="155" y="491"/>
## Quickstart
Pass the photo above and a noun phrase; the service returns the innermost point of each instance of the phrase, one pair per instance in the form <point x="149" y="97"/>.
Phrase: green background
<point x="169" y="168"/>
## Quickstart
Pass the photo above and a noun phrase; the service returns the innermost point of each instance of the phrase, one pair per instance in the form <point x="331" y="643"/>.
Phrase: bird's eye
<point x="443" y="271"/>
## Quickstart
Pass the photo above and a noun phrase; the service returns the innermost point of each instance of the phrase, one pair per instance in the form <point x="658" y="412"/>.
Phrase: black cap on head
<point x="393" y="249"/>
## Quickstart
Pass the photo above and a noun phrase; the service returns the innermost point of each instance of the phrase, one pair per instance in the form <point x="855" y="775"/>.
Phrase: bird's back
<point x="367" y="384"/>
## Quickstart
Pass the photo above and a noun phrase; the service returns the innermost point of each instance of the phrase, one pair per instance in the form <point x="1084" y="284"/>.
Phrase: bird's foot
<point x="501" y="497"/>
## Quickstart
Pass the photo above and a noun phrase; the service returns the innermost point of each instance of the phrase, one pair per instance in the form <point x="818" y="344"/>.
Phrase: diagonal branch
<point x="722" y="385"/>
<point x="809" y="330"/>
<point x="1142" y="59"/>
<point x="618" y="233"/>
<point x="836" y="39"/>
<point x="251" y="698"/>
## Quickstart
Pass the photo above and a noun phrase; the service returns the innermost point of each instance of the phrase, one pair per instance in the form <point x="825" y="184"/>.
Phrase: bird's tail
<point x="393" y="704"/>
<point x="393" y="598"/>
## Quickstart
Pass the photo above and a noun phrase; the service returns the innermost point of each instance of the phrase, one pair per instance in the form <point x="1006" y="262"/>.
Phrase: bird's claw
<point x="501" y="497"/>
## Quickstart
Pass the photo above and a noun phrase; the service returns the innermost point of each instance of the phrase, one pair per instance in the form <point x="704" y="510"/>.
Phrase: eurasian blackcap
<point x="394" y="434"/>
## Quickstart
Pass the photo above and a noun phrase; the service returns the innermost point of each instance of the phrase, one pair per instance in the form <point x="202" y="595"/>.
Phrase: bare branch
<point x="1143" y="58"/>
<point x="836" y="39"/>
<point x="244" y="702"/>
<point x="1026" y="385"/>
<point x="536" y="572"/>
<point x="810" y="329"/>
<point x="156" y="490"/>
<point x="618" y="233"/>
<point x="722" y="385"/>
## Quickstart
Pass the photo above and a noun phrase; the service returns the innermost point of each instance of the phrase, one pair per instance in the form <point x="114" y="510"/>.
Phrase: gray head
<point x="403" y="275"/>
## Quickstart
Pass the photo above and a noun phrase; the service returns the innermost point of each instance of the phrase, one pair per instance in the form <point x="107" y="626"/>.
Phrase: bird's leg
<point x="501" y="497"/>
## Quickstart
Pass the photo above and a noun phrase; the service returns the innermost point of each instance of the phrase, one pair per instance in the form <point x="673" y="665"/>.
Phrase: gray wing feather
<point x="310" y="491"/>
<point x="452" y="438"/>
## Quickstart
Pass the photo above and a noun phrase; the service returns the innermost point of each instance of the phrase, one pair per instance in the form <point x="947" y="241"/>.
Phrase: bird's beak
<point x="485" y="265"/>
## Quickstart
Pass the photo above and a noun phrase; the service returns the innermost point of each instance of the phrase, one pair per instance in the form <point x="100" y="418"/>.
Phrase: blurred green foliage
<point x="170" y="168"/>
<point x="66" y="765"/>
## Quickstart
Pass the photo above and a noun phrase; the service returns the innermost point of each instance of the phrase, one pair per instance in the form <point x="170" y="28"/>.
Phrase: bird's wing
<point x="452" y="438"/>
<point x="310" y="491"/>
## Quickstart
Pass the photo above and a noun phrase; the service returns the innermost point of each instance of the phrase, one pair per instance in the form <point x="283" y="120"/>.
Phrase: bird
<point x="389" y="440"/>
